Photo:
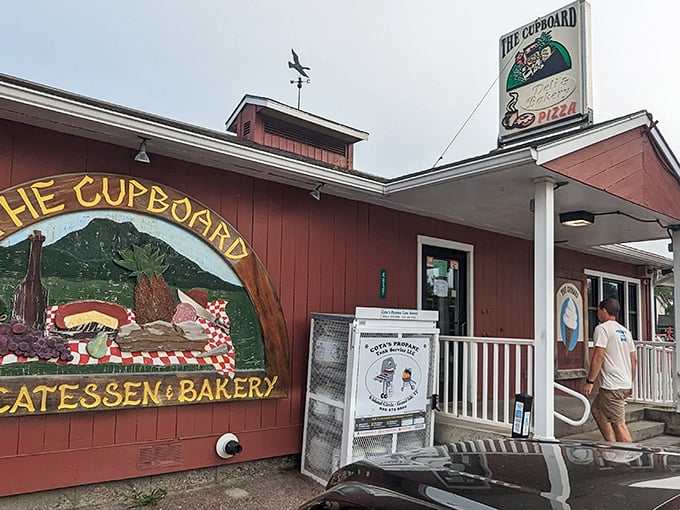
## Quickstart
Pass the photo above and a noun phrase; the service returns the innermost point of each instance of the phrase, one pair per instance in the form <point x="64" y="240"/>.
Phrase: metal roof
<point x="301" y="117"/>
<point x="490" y="192"/>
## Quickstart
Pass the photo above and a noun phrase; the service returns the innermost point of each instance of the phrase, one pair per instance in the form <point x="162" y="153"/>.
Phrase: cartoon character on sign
<point x="406" y="379"/>
<point x="386" y="377"/>
<point x="537" y="61"/>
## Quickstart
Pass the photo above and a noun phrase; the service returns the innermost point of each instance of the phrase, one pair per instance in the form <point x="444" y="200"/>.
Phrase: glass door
<point x="444" y="284"/>
<point x="444" y="288"/>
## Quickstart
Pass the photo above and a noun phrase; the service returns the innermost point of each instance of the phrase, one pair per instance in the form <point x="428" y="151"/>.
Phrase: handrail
<point x="586" y="404"/>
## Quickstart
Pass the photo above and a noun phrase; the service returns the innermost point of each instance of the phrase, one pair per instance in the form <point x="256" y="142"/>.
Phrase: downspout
<point x="652" y="304"/>
<point x="675" y="237"/>
<point x="544" y="314"/>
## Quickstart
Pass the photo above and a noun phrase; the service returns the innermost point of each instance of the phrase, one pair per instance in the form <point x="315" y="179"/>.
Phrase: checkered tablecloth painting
<point x="224" y="363"/>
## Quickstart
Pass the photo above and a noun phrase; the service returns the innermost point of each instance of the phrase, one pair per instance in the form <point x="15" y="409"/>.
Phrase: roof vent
<point x="285" y="128"/>
<point x="304" y="136"/>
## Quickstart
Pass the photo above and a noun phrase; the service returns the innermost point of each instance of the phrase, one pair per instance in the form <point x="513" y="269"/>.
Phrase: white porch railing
<point x="654" y="379"/>
<point x="480" y="376"/>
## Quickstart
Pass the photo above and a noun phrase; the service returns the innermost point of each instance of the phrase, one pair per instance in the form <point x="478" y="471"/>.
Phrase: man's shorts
<point x="612" y="404"/>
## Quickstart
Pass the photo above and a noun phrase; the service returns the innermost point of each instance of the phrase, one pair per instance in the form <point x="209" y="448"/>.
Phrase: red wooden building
<point x="326" y="254"/>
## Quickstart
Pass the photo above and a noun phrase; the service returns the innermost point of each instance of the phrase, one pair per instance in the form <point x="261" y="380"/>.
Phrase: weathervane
<point x="300" y="69"/>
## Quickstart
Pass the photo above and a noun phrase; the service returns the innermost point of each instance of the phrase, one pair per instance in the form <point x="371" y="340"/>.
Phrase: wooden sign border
<point x="26" y="204"/>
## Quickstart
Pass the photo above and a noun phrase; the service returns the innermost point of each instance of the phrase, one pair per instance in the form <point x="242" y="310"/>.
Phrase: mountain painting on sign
<point x="108" y="277"/>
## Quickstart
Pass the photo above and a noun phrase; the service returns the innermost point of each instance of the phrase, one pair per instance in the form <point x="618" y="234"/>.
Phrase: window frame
<point x="626" y="280"/>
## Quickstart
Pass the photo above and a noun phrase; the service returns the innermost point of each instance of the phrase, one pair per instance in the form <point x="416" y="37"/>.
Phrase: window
<point x="625" y="290"/>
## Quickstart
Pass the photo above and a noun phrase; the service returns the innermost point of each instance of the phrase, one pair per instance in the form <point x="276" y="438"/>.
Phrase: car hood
<point x="510" y="474"/>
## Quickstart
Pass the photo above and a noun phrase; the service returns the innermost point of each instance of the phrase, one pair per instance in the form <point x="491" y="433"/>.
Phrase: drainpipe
<point x="544" y="314"/>
<point x="675" y="236"/>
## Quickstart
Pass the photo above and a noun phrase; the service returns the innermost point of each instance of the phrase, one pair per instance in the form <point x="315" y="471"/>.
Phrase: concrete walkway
<point x="262" y="485"/>
<point x="284" y="491"/>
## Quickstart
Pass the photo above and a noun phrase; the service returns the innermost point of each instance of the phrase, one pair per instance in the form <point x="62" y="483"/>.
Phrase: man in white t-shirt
<point x="615" y="361"/>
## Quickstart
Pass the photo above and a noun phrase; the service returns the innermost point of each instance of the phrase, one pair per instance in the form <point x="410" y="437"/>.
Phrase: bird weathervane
<point x="295" y="64"/>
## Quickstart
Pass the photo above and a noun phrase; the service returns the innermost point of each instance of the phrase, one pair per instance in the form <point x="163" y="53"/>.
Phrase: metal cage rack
<point x="351" y="405"/>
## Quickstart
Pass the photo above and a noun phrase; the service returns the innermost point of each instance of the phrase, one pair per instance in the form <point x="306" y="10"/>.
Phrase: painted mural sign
<point x="393" y="378"/>
<point x="570" y="315"/>
<point x="117" y="292"/>
<point x="571" y="325"/>
<point x="544" y="73"/>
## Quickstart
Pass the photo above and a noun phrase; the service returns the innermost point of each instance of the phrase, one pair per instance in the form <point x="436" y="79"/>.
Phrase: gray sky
<point x="408" y="72"/>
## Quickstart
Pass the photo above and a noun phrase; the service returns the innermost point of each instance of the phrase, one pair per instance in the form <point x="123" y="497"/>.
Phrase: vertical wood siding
<point x="322" y="256"/>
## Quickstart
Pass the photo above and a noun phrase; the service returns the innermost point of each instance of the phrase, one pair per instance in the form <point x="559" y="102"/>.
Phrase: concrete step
<point x="640" y="431"/>
<point x="573" y="409"/>
<point x="651" y="426"/>
<point x="662" y="441"/>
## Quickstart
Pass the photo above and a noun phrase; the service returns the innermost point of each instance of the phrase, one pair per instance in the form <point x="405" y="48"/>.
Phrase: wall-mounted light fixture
<point x="142" y="156"/>
<point x="316" y="192"/>
<point x="584" y="218"/>
<point x="577" y="218"/>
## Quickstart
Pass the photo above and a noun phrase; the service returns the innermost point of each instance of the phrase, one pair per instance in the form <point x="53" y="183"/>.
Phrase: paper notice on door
<point x="441" y="288"/>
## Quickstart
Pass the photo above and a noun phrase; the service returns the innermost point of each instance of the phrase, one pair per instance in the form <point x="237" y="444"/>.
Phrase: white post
<point x="675" y="235"/>
<point x="544" y="319"/>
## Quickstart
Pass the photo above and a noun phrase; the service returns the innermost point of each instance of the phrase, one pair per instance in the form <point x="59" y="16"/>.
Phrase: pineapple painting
<point x="153" y="300"/>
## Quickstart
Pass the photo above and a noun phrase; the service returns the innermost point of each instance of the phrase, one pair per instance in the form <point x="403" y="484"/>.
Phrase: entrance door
<point x="444" y="284"/>
<point x="444" y="275"/>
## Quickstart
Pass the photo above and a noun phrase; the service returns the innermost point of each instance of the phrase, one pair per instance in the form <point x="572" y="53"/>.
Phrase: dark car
<point x="509" y="474"/>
